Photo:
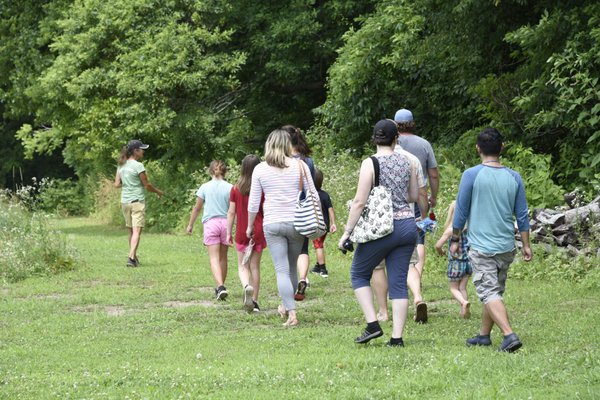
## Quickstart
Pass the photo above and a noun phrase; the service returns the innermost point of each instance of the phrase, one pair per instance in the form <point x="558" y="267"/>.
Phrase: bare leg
<point x="380" y="287"/>
<point x="303" y="262"/>
<point x="495" y="311"/>
<point x="255" y="273"/>
<point x="223" y="261"/>
<point x="320" y="256"/>
<point x="134" y="241"/>
<point x="214" y="256"/>
<point x="399" y="313"/>
<point x="466" y="307"/>
<point x="415" y="272"/>
<point x="364" y="295"/>
<point x="243" y="270"/>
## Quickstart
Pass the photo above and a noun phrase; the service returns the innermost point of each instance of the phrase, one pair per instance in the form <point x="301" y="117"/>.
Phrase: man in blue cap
<point x="422" y="149"/>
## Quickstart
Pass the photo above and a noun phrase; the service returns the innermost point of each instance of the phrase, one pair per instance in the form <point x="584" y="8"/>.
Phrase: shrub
<point x="28" y="246"/>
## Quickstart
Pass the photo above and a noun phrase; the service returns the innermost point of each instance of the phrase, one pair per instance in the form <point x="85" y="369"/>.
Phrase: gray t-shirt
<point x="421" y="149"/>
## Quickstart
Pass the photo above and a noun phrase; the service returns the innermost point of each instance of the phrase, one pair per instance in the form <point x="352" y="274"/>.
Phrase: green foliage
<point x="29" y="247"/>
<point x="65" y="197"/>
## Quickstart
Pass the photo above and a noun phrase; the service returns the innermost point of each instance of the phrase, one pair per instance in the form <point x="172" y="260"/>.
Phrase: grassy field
<point x="106" y="331"/>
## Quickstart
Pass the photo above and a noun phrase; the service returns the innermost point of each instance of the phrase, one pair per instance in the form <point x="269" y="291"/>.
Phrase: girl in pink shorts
<point x="249" y="250"/>
<point x="214" y="197"/>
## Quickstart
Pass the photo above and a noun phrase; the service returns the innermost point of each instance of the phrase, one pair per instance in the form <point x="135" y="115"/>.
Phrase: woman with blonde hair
<point x="214" y="197"/>
<point x="278" y="180"/>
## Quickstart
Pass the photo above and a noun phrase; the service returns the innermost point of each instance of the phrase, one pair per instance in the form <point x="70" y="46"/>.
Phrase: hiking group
<point x="479" y="227"/>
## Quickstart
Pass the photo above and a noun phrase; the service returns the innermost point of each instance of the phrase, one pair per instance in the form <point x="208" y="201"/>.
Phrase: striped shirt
<point x="280" y="187"/>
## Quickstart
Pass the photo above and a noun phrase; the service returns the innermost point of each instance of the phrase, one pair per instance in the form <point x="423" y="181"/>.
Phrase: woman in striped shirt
<point x="278" y="179"/>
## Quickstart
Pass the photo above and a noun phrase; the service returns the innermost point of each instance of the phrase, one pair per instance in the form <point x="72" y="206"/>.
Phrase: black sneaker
<point x="131" y="262"/>
<point x="221" y="293"/>
<point x="248" y="302"/>
<point x="395" y="343"/>
<point x="324" y="272"/>
<point x="300" y="293"/>
<point x="367" y="336"/>
<point x="256" y="307"/>
<point x="511" y="343"/>
<point x="479" y="340"/>
<point x="316" y="269"/>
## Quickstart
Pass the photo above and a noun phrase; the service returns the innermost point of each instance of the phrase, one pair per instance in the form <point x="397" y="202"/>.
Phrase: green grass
<point x="105" y="331"/>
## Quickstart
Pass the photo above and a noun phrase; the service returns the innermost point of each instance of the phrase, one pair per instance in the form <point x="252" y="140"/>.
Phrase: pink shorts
<point x="215" y="231"/>
<point x="258" y="247"/>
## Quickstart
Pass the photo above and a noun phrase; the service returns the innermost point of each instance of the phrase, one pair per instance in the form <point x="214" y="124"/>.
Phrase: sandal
<point x="282" y="311"/>
<point x="421" y="312"/>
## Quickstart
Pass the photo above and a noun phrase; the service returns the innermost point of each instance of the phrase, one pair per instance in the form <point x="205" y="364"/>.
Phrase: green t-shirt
<point x="132" y="189"/>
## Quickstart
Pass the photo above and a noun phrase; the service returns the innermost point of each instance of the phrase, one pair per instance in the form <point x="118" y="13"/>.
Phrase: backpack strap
<point x="376" y="169"/>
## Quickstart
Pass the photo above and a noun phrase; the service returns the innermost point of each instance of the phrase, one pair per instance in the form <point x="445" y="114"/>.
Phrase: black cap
<point x="385" y="129"/>
<point x="136" y="144"/>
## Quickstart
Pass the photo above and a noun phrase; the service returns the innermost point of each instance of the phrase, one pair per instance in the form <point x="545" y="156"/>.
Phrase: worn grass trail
<point x="107" y="331"/>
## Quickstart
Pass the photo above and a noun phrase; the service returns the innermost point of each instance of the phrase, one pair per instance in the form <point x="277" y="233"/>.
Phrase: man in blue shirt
<point x="488" y="197"/>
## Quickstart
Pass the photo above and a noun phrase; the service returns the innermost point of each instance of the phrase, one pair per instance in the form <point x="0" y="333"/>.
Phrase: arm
<point x="365" y="181"/>
<point x="527" y="252"/>
<point x="443" y="239"/>
<point x="332" y="225"/>
<point x="423" y="202"/>
<point x="522" y="213"/>
<point x="117" y="182"/>
<point x="254" y="201"/>
<point x="250" y="229"/>
<point x="413" y="187"/>
<point x="434" y="184"/>
<point x="463" y="207"/>
<point x="195" y="212"/>
<point x="230" y="221"/>
<point x="148" y="186"/>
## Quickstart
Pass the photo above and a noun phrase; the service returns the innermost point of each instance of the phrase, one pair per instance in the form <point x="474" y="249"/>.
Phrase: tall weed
<point x="28" y="246"/>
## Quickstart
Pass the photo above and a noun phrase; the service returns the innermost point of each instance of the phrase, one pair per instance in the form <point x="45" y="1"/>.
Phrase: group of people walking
<point x="263" y="201"/>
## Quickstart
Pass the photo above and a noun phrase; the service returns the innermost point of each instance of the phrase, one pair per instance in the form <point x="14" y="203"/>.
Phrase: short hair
<point x="277" y="148"/>
<point x="406" y="126"/>
<point x="217" y="168"/>
<point x="490" y="142"/>
<point x="318" y="179"/>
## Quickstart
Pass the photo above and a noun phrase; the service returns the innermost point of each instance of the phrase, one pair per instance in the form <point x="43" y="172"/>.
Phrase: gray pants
<point x="285" y="245"/>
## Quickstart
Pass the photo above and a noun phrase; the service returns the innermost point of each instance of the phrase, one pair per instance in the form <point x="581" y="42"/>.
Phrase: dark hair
<point x="384" y="132"/>
<point x="217" y="168"/>
<point x="406" y="126"/>
<point x="318" y="179"/>
<point x="248" y="164"/>
<point x="298" y="140"/>
<point x="490" y="142"/>
<point x="125" y="154"/>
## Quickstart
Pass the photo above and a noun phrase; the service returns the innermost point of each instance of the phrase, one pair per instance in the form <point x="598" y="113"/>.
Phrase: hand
<point x="527" y="253"/>
<point x="189" y="229"/>
<point x="432" y="202"/>
<point x="250" y="232"/>
<point x="159" y="193"/>
<point x="345" y="236"/>
<point x="229" y="240"/>
<point x="454" y="250"/>
<point x="439" y="249"/>
<point x="332" y="228"/>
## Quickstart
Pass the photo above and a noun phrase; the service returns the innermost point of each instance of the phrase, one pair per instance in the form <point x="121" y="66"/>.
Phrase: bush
<point x="29" y="246"/>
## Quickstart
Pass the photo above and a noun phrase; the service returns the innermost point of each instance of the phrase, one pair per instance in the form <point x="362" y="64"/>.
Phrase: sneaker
<point x="300" y="293"/>
<point x="248" y="302"/>
<point x="511" y="343"/>
<point x="368" y="336"/>
<point x="221" y="293"/>
<point x="395" y="343"/>
<point x="256" y="307"/>
<point x="137" y="261"/>
<point x="131" y="262"/>
<point x="479" y="340"/>
<point x="316" y="269"/>
<point x="324" y="272"/>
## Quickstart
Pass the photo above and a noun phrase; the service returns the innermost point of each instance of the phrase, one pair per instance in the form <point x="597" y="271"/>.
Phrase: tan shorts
<point x="134" y="214"/>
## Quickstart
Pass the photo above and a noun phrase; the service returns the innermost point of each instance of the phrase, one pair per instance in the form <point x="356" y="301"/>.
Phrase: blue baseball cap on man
<point x="403" y="115"/>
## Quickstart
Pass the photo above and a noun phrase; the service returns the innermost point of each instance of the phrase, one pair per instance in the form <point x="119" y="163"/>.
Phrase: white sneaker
<point x="248" y="302"/>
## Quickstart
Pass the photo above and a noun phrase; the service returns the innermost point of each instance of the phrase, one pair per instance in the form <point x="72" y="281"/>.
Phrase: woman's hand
<point x="189" y="229"/>
<point x="250" y="231"/>
<point x="344" y="237"/>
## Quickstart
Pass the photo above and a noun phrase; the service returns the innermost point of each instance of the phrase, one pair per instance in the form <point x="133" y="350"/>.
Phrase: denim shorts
<point x="489" y="273"/>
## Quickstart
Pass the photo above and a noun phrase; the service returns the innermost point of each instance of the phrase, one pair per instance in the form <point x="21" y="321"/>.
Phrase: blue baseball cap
<point x="403" y="115"/>
<point x="136" y="144"/>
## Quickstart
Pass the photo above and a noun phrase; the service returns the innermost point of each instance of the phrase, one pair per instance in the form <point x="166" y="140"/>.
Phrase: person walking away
<point x="248" y="272"/>
<point x="278" y="179"/>
<point x="489" y="195"/>
<point x="302" y="151"/>
<point x="213" y="200"/>
<point x="131" y="176"/>
<point x="395" y="248"/>
<point x="422" y="149"/>
<point x="459" y="268"/>
<point x="329" y="215"/>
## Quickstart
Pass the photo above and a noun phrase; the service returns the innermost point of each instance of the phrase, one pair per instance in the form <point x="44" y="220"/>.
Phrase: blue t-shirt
<point x="488" y="198"/>
<point x="215" y="195"/>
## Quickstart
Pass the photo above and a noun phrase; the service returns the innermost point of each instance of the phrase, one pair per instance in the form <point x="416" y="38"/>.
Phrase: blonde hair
<point x="217" y="168"/>
<point x="278" y="148"/>
<point x="450" y="215"/>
